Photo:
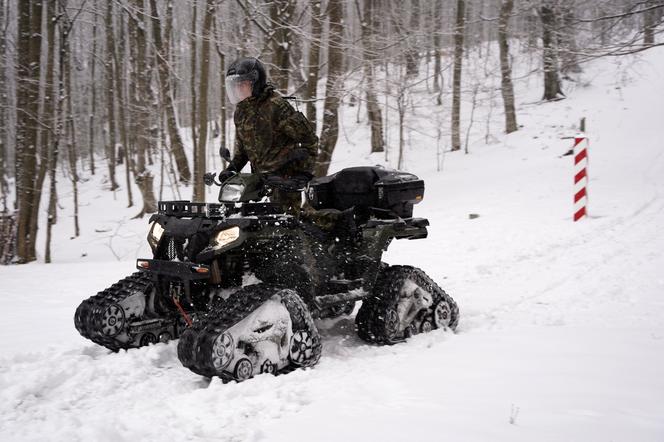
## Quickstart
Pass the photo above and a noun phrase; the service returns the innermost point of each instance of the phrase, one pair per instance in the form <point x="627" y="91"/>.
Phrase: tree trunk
<point x="141" y="106"/>
<point x="649" y="24"/>
<point x="45" y="117"/>
<point x="567" y="38"/>
<point x="507" y="88"/>
<point x="27" y="102"/>
<point x="72" y="150"/>
<point x="281" y="15"/>
<point x="552" y="88"/>
<point x="162" y="45"/>
<point x="111" y="62"/>
<point x="199" y="165"/>
<point x="401" y="108"/>
<point x="437" y="74"/>
<point x="330" y="130"/>
<point x="4" y="185"/>
<point x="311" y="93"/>
<point x="412" y="51"/>
<point x="222" y="88"/>
<point x="59" y="118"/>
<point x="192" y="82"/>
<point x="456" y="82"/>
<point x="374" y="113"/>
<point x="93" y="92"/>
<point x="72" y="146"/>
<point x="124" y="101"/>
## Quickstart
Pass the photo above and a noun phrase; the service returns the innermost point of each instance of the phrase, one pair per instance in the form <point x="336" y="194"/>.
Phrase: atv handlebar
<point x="210" y="179"/>
<point x="269" y="180"/>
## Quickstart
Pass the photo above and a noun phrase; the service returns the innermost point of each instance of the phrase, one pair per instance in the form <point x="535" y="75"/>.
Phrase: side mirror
<point x="225" y="154"/>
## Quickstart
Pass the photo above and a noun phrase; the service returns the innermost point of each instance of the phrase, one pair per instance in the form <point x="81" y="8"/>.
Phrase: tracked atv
<point x="240" y="282"/>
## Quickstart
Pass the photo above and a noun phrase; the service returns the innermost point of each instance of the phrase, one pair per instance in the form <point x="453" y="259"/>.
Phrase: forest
<point x="134" y="89"/>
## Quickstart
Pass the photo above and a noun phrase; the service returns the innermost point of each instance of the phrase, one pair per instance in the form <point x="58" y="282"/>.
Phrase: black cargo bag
<point x="390" y="191"/>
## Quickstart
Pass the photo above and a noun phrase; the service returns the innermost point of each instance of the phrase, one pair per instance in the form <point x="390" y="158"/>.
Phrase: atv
<point x="240" y="282"/>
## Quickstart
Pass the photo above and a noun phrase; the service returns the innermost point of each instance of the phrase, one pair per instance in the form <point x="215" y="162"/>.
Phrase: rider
<point x="275" y="138"/>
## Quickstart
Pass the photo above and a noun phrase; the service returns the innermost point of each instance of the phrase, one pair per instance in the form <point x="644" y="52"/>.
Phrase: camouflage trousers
<point x="291" y="202"/>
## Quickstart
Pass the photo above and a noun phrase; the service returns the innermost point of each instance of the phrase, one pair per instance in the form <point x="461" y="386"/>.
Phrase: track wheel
<point x="258" y="329"/>
<point x="243" y="370"/>
<point x="113" y="320"/>
<point x="301" y="348"/>
<point x="442" y="314"/>
<point x="404" y="302"/>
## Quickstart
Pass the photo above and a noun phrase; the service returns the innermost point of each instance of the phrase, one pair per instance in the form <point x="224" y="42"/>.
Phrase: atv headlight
<point x="156" y="231"/>
<point x="232" y="192"/>
<point x="226" y="236"/>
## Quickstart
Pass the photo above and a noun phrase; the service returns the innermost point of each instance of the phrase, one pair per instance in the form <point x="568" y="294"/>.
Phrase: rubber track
<point x="370" y="320"/>
<point x="196" y="343"/>
<point x="89" y="314"/>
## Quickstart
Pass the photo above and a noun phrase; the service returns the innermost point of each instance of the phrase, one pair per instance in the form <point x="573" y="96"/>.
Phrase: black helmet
<point x="248" y="69"/>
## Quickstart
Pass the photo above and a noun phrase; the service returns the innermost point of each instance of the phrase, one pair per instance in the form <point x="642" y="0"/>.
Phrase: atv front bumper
<point x="174" y="269"/>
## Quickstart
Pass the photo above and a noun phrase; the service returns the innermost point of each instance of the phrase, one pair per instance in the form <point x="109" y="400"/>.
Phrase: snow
<point x="561" y="334"/>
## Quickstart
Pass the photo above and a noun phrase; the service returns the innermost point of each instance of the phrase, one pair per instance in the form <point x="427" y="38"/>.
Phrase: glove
<point x="208" y="178"/>
<point x="292" y="184"/>
<point x="277" y="182"/>
<point x="297" y="155"/>
<point x="226" y="174"/>
<point x="302" y="179"/>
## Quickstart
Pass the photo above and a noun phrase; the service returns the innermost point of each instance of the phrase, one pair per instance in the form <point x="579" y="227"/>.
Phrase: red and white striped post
<point x="580" y="177"/>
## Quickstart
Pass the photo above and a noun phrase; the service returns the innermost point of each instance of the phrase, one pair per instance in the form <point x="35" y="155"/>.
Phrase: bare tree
<point x="4" y="185"/>
<point x="456" y="82"/>
<point x="412" y="51"/>
<point x="222" y="87"/>
<point x="111" y="63"/>
<point x="507" y="88"/>
<point x="281" y="15"/>
<point x="566" y="35"/>
<point x="199" y="163"/>
<point x="93" y="92"/>
<point x="141" y="106"/>
<point x="330" y="130"/>
<point x="162" y="45"/>
<point x="552" y="86"/>
<point x="27" y="103"/>
<point x="374" y="113"/>
<point x="139" y="71"/>
<point x="193" y="48"/>
<point x="649" y="23"/>
<point x="310" y="93"/>
<point x="437" y="68"/>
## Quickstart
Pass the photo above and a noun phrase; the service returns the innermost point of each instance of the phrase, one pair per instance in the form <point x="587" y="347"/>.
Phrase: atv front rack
<point x="187" y="209"/>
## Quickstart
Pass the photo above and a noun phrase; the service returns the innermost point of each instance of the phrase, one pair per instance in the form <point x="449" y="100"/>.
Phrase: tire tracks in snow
<point x="576" y="259"/>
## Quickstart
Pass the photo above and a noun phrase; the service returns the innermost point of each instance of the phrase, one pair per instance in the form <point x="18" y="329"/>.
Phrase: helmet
<point x="241" y="71"/>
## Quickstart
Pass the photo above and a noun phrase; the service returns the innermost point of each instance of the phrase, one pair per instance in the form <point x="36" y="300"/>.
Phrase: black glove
<point x="302" y="179"/>
<point x="292" y="184"/>
<point x="226" y="174"/>
<point x="208" y="178"/>
<point x="297" y="155"/>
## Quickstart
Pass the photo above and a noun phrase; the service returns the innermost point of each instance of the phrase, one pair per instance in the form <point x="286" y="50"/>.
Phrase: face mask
<point x="237" y="89"/>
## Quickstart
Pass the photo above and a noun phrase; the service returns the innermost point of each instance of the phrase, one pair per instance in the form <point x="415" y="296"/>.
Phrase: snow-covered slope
<point x="561" y="334"/>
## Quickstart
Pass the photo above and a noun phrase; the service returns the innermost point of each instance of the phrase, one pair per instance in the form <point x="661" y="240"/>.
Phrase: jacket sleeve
<point x="240" y="157"/>
<point x="297" y="128"/>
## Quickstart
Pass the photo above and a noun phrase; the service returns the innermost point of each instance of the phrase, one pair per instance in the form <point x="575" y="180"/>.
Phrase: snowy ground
<point x="562" y="328"/>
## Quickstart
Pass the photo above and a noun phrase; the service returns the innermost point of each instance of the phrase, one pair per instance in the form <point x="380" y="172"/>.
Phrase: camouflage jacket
<point x="268" y="131"/>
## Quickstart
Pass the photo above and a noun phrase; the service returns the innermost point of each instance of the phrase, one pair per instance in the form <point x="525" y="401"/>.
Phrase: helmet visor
<point x="238" y="87"/>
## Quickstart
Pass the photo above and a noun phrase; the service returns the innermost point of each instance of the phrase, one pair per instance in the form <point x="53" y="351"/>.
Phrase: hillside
<point x="561" y="334"/>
